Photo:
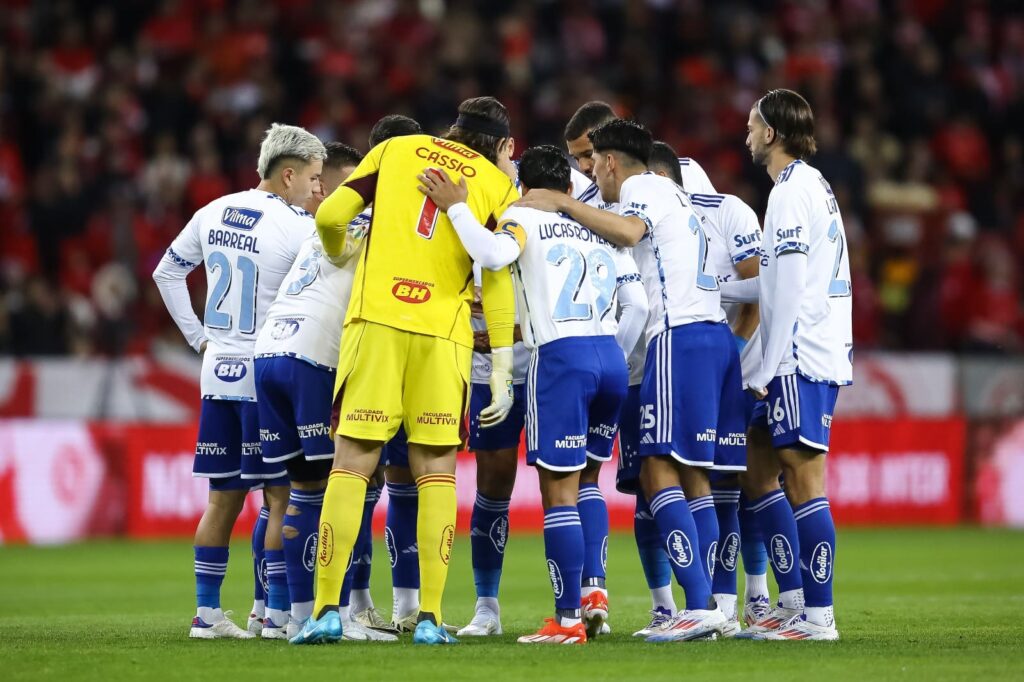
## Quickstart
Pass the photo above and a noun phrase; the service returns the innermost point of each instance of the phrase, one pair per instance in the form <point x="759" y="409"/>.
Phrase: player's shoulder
<point x="583" y="188"/>
<point x="798" y="176"/>
<point x="648" y="184"/>
<point x="524" y="216"/>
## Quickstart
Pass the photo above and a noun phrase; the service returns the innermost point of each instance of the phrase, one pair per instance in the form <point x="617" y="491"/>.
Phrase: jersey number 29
<point x="602" y="276"/>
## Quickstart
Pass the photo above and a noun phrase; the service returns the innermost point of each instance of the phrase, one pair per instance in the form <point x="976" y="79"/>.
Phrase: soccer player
<point x="248" y="240"/>
<point x="804" y="293"/>
<point x="568" y="281"/>
<point x="407" y="346"/>
<point x="296" y="354"/>
<point x="691" y="390"/>
<point x="734" y="242"/>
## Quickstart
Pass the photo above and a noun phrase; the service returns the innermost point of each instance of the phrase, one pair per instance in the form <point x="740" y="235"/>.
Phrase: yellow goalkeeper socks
<point x="340" y="519"/>
<point x="435" y="533"/>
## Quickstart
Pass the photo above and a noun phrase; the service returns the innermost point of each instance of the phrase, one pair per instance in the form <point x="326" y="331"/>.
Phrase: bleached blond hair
<point x="288" y="142"/>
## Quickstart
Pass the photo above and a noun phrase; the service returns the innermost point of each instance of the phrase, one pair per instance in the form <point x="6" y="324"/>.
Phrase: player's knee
<point x="592" y="471"/>
<point x="496" y="473"/>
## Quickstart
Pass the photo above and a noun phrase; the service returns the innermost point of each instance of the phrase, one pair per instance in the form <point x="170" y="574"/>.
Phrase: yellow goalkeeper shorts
<point x="389" y="377"/>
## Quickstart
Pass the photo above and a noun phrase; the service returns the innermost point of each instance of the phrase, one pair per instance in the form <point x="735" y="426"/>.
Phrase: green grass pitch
<point x="912" y="604"/>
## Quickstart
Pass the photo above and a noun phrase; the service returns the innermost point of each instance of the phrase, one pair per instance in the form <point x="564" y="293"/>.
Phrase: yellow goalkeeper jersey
<point x="414" y="273"/>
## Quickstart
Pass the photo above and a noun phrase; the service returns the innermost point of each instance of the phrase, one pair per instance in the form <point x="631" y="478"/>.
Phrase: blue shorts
<point x="294" y="399"/>
<point x="627" y="477"/>
<point x="506" y="434"/>
<point x="798" y="413"/>
<point x="692" y="404"/>
<point x="228" y="446"/>
<point x="395" y="452"/>
<point x="575" y="388"/>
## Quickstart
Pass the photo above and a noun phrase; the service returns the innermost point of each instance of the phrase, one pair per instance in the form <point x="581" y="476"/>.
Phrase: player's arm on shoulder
<point x="181" y="258"/>
<point x="491" y="250"/>
<point x="633" y="304"/>
<point x="338" y="210"/>
<point x="618" y="229"/>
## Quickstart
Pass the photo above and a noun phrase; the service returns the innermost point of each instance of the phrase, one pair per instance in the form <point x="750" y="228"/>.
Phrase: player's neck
<point x="777" y="162"/>
<point x="269" y="185"/>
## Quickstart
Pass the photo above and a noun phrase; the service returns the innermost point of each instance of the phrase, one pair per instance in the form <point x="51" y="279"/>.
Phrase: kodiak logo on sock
<point x="782" y="553"/>
<point x="556" y="579"/>
<point x="326" y="553"/>
<point x="679" y="549"/>
<point x="604" y="553"/>
<point x="389" y="544"/>
<point x="499" y="533"/>
<point x="309" y="553"/>
<point x="821" y="563"/>
<point x="710" y="558"/>
<point x="447" y="539"/>
<point x="730" y="552"/>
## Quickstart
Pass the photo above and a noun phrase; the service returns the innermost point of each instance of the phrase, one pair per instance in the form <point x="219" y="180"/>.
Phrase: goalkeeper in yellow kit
<point x="407" y="344"/>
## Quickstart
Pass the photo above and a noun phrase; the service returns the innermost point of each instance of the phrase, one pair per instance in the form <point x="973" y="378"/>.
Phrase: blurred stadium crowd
<point x="119" y="119"/>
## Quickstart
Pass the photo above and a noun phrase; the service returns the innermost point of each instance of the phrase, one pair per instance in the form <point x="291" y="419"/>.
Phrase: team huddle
<point x="367" y="316"/>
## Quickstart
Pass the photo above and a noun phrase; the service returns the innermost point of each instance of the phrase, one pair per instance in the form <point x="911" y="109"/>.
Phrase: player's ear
<point x="287" y="176"/>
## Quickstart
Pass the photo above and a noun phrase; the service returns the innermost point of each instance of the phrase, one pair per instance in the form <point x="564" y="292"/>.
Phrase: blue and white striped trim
<point x="685" y="160"/>
<point x="791" y="247"/>
<point x="207" y="568"/>
<point x="707" y="200"/>
<point x="275" y="568"/>
<point x="631" y="277"/>
<point x="487" y="504"/>
<point x="283" y="473"/>
<point x="663" y="387"/>
<point x="589" y="193"/>
<point x="744" y="255"/>
<point x="561" y="519"/>
<point x="178" y="260"/>
<point x="787" y="171"/>
<point x="700" y="503"/>
<point x="236" y="398"/>
<point x="665" y="497"/>
<point x="726" y="496"/>
<point x="372" y="494"/>
<point x="777" y="496"/>
<point x="532" y="437"/>
<point x="811" y="508"/>
<point x="402" y="489"/>
<point x="282" y="458"/>
<point x="590" y="493"/>
<point x="313" y="497"/>
<point x="264" y="513"/>
<point x="819" y="380"/>
<point x="791" y="400"/>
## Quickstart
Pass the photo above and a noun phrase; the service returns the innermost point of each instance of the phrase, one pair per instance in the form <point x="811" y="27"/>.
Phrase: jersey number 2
<point x="837" y="287"/>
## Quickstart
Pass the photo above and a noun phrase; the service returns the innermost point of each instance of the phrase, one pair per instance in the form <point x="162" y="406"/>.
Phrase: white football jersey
<point x="248" y="241"/>
<point x="567" y="277"/>
<point x="803" y="216"/>
<point x="306" y="318"/>
<point x="695" y="180"/>
<point x="734" y="235"/>
<point x="584" y="189"/>
<point x="681" y="282"/>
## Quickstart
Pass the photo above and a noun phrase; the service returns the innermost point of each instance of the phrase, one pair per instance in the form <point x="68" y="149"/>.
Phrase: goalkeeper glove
<point x="501" y="388"/>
